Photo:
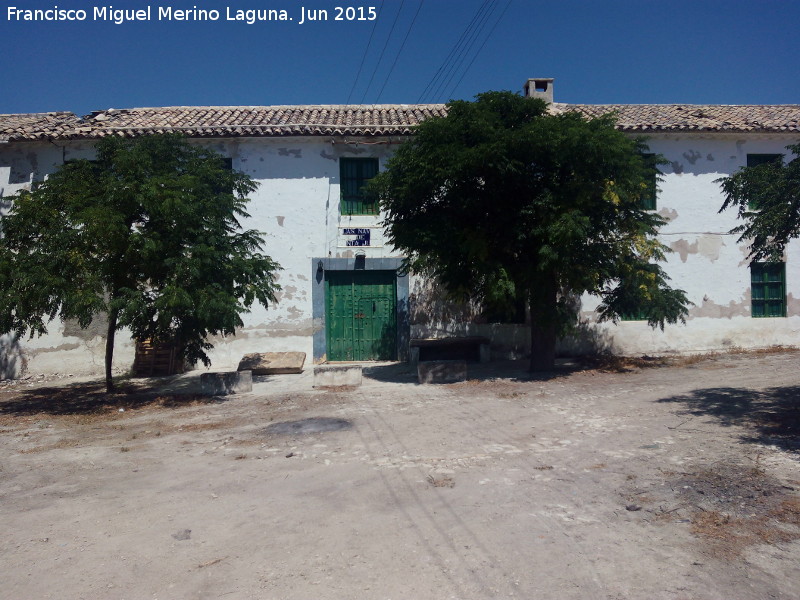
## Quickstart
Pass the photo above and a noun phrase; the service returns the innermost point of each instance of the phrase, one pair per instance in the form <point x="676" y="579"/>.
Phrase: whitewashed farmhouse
<point x="310" y="162"/>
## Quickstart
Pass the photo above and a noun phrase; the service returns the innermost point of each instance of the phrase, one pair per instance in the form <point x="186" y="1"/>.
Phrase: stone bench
<point x="468" y="348"/>
<point x="337" y="375"/>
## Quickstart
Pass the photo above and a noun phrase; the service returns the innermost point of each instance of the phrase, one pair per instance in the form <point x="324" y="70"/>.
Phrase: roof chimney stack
<point x="539" y="87"/>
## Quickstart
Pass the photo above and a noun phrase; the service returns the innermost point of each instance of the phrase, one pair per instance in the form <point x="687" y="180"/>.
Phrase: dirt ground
<point x="647" y="482"/>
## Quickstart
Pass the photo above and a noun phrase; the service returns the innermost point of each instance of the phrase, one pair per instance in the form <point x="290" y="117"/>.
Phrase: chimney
<point x="539" y="87"/>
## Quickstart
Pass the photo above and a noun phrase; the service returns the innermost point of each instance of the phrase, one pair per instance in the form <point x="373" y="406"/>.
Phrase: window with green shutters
<point x="354" y="173"/>
<point x="754" y="160"/>
<point x="648" y="201"/>
<point x="768" y="289"/>
<point x="638" y="316"/>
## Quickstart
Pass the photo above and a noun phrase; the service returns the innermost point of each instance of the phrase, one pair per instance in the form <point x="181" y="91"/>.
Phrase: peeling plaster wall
<point x="296" y="206"/>
<point x="65" y="348"/>
<point x="707" y="262"/>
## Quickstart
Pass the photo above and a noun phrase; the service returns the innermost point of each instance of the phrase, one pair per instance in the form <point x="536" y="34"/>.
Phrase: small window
<point x="755" y="160"/>
<point x="637" y="316"/>
<point x="354" y="173"/>
<point x="648" y="201"/>
<point x="768" y="289"/>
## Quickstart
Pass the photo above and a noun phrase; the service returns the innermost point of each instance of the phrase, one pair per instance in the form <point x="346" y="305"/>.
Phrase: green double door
<point x="361" y="320"/>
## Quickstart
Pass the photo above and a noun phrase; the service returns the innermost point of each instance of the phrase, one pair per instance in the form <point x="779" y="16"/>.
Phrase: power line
<point x="380" y="58"/>
<point x="456" y="65"/>
<point x="446" y="64"/>
<point x="366" y="51"/>
<point x="491" y="31"/>
<point x="399" y="52"/>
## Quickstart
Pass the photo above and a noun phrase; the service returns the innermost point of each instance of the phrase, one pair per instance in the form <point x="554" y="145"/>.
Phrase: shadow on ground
<point x="770" y="416"/>
<point x="91" y="397"/>
<point x="507" y="370"/>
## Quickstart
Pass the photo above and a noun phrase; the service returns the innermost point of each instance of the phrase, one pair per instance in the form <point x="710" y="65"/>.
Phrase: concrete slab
<point x="337" y="375"/>
<point x="223" y="384"/>
<point x="273" y="363"/>
<point x="442" y="371"/>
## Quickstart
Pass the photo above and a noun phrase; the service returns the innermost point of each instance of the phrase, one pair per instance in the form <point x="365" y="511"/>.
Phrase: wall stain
<point x="692" y="156"/>
<point x="710" y="156"/>
<point x="280" y="220"/>
<point x="295" y="152"/>
<point x="677" y="167"/>
<point x="97" y="328"/>
<point x="329" y="156"/>
<point x="670" y="214"/>
<point x="706" y="245"/>
<point x="709" y="308"/>
<point x="792" y="306"/>
<point x="289" y="292"/>
<point x="33" y="352"/>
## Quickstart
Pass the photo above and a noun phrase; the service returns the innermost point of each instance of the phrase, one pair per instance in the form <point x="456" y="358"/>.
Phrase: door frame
<point x="319" y="304"/>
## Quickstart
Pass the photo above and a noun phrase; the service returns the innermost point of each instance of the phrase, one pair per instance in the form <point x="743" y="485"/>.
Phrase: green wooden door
<point x="361" y="319"/>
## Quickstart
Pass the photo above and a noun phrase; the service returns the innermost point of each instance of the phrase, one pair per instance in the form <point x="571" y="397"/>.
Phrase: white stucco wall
<point x="707" y="262"/>
<point x="296" y="207"/>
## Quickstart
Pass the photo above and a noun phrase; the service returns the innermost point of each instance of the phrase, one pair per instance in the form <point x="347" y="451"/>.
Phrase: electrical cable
<point x="446" y="64"/>
<point x="500" y="18"/>
<point x="400" y="51"/>
<point x="364" y="56"/>
<point x="380" y="58"/>
<point x="454" y="68"/>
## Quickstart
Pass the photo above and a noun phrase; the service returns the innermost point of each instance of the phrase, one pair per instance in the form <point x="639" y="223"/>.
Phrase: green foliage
<point x="148" y="233"/>
<point x="500" y="198"/>
<point x="767" y="200"/>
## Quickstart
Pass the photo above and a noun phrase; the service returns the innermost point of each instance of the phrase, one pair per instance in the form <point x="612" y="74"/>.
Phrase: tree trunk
<point x="112" y="330"/>
<point x="544" y="299"/>
<point x="543" y="346"/>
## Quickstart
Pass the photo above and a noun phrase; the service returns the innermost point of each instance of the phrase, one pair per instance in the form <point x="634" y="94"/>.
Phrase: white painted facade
<point x="296" y="206"/>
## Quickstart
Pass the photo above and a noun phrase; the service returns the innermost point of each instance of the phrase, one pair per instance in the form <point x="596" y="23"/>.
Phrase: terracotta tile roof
<point x="694" y="117"/>
<point x="36" y="125"/>
<point x="378" y="120"/>
<point x="257" y="121"/>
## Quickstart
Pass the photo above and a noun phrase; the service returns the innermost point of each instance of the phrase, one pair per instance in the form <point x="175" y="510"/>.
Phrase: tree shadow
<point x="770" y="416"/>
<point x="86" y="398"/>
<point x="506" y="370"/>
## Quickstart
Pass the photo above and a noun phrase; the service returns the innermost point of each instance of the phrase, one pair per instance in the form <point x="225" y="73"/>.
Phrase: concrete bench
<point x="337" y="375"/>
<point x="469" y="348"/>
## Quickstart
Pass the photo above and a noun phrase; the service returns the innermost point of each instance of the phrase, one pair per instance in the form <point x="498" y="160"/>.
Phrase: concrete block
<point x="230" y="382"/>
<point x="337" y="375"/>
<point x="273" y="363"/>
<point x="442" y="371"/>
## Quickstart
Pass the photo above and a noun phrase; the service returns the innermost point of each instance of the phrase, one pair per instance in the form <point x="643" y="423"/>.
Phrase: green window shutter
<point x="768" y="289"/>
<point x="638" y="316"/>
<point x="755" y="160"/>
<point x="354" y="173"/>
<point x="648" y="200"/>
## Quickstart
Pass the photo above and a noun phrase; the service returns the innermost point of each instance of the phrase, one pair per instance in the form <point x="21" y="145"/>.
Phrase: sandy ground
<point x="676" y="482"/>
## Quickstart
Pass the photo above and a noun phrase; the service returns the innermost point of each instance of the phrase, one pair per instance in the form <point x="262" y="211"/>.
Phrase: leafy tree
<point x="767" y="199"/>
<point x="148" y="234"/>
<point x="500" y="199"/>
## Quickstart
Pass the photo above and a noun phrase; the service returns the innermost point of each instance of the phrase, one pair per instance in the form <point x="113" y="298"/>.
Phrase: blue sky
<point x="612" y="51"/>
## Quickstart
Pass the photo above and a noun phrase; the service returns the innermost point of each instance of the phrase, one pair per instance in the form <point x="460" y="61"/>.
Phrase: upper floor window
<point x="648" y="201"/>
<point x="354" y="173"/>
<point x="768" y="289"/>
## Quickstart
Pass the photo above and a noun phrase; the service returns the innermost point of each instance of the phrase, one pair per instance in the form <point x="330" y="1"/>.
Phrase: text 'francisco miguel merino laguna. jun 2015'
<point x="300" y="15"/>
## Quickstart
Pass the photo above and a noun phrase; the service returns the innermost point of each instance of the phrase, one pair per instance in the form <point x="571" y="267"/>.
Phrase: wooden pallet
<point x="157" y="359"/>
